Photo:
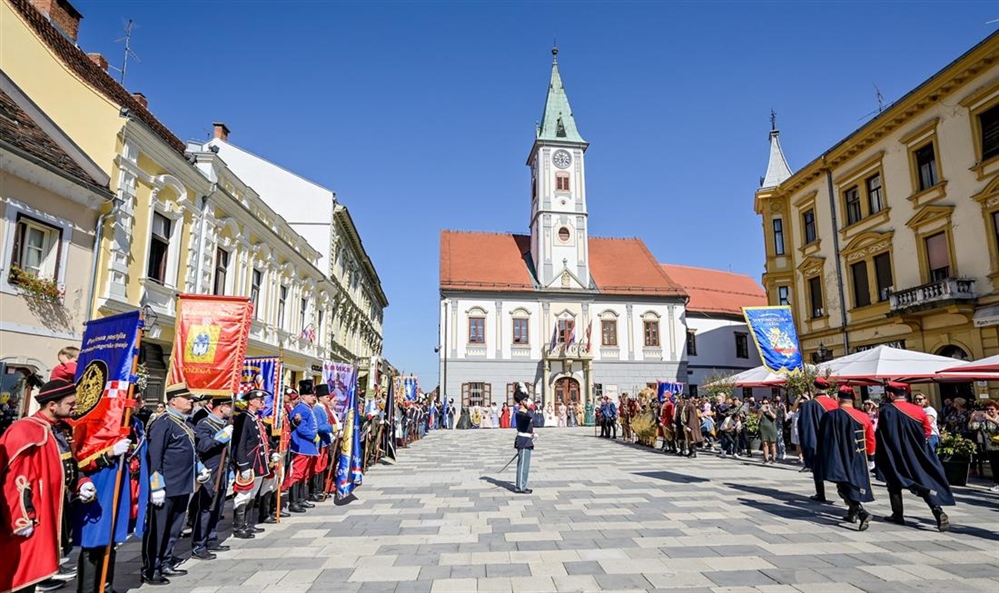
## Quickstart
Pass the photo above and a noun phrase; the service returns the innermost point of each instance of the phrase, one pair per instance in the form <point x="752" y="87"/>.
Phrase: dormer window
<point x="561" y="182"/>
<point x="559" y="129"/>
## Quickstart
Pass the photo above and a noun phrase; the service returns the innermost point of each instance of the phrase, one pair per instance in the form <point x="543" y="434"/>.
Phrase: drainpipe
<point x="98" y="237"/>
<point x="839" y="263"/>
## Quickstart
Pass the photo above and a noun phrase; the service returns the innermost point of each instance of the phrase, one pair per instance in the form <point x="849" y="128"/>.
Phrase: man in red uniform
<point x="905" y="459"/>
<point x="846" y="452"/>
<point x="34" y="484"/>
<point x="666" y="425"/>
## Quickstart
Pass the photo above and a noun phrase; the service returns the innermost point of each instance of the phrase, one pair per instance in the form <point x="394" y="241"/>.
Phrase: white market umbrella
<point x="884" y="362"/>
<point x="760" y="376"/>
<point x="986" y="366"/>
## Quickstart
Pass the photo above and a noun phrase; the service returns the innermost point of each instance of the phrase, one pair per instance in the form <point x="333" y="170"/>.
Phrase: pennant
<point x="554" y="337"/>
<point x="350" y="466"/>
<point x="588" y="329"/>
<point x="775" y="336"/>
<point x="103" y="379"/>
<point x="210" y="343"/>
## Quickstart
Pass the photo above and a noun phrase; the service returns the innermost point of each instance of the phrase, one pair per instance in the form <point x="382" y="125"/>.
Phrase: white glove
<point x="87" y="492"/>
<point x="25" y="531"/>
<point x="275" y="457"/>
<point x="120" y="448"/>
<point x="158" y="497"/>
<point x="246" y="475"/>
<point x="870" y="466"/>
<point x="204" y="475"/>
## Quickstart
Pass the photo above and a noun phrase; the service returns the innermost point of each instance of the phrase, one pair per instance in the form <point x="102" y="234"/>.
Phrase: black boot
<point x="239" y="529"/>
<point x="303" y="495"/>
<point x="254" y="515"/>
<point x="943" y="522"/>
<point x="851" y="514"/>
<point x="292" y="496"/>
<point x="283" y="510"/>
<point x="896" y="517"/>
<point x="265" y="512"/>
<point x="863" y="517"/>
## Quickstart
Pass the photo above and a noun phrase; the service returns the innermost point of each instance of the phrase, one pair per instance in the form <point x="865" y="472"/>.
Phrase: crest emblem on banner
<point x="90" y="387"/>
<point x="201" y="343"/>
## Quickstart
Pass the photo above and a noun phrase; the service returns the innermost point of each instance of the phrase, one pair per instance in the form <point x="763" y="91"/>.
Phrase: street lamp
<point x="822" y="355"/>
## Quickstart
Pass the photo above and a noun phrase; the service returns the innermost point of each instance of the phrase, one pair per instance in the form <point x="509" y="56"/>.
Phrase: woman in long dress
<point x="464" y="420"/>
<point x="561" y="415"/>
<point x="495" y="416"/>
<point x="504" y="420"/>
<point x="487" y="418"/>
<point x="571" y="419"/>
<point x="550" y="419"/>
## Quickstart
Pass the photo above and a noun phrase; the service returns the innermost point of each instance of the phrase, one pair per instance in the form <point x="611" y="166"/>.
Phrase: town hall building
<point x="571" y="315"/>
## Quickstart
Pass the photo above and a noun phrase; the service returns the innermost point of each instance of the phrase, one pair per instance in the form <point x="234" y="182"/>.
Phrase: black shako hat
<point x="305" y="387"/>
<point x="322" y="390"/>
<point x="54" y="391"/>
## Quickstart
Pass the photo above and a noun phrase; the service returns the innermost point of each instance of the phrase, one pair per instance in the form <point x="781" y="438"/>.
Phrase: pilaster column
<point x="631" y="333"/>
<point x="546" y="381"/>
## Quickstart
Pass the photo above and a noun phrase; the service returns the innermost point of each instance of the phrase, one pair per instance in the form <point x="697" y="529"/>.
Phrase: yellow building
<point x="892" y="235"/>
<point x="181" y="222"/>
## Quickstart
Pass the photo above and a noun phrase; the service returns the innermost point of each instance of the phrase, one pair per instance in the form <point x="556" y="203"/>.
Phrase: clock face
<point x="562" y="159"/>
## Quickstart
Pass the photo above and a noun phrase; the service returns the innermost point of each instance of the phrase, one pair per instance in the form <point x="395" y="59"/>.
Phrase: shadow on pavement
<point x="502" y="484"/>
<point x="672" y="477"/>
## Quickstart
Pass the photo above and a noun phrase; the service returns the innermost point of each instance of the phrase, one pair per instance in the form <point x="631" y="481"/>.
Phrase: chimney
<point x="99" y="60"/>
<point x="141" y="99"/>
<point x="62" y="14"/>
<point x="221" y="132"/>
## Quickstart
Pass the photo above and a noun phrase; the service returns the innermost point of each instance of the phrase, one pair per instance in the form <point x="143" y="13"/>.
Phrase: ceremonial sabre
<point x="512" y="459"/>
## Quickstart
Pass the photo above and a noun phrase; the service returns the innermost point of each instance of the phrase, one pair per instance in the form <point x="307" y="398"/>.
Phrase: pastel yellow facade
<point x="892" y="235"/>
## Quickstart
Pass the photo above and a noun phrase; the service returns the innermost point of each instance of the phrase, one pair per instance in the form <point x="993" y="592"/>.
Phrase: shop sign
<point x="900" y="344"/>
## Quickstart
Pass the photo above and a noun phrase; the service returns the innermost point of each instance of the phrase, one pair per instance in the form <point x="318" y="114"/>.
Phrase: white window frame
<point x="12" y="209"/>
<point x="173" y="249"/>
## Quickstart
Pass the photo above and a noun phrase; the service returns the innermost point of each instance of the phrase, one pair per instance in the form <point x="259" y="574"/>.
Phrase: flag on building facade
<point x="589" y="328"/>
<point x="210" y="343"/>
<point x="775" y="337"/>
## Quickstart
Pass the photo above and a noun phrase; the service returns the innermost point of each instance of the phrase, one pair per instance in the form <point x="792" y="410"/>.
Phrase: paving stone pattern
<point x="604" y="516"/>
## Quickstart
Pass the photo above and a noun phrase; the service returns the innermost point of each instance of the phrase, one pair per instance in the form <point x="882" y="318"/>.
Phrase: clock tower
<point x="559" y="245"/>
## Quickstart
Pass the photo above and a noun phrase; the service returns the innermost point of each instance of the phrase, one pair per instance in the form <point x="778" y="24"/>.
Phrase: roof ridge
<point x="77" y="61"/>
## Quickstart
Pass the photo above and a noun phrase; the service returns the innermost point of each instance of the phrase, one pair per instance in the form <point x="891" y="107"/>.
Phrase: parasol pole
<point x="121" y="464"/>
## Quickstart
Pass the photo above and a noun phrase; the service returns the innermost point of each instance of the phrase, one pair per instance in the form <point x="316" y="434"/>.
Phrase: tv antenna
<point x="128" y="51"/>
<point x="881" y="102"/>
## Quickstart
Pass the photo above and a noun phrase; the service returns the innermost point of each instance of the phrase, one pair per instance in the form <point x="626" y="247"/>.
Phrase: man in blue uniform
<point x="905" y="459"/>
<point x="251" y="456"/>
<point x="524" y="441"/>
<point x="211" y="435"/>
<point x="174" y="470"/>
<point x="304" y="449"/>
<point x="845" y="455"/>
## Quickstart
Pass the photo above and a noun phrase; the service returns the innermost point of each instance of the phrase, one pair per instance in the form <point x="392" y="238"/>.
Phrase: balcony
<point x="568" y="351"/>
<point x="933" y="294"/>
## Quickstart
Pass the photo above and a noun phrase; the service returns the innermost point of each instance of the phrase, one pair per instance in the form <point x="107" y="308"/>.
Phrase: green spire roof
<point x="557" y="122"/>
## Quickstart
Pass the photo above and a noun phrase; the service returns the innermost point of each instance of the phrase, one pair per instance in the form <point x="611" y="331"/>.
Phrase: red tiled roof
<point x="714" y="291"/>
<point x="21" y="133"/>
<point x="497" y="261"/>
<point x="76" y="60"/>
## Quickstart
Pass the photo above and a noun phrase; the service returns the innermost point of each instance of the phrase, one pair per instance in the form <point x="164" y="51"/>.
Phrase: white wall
<point x="716" y="353"/>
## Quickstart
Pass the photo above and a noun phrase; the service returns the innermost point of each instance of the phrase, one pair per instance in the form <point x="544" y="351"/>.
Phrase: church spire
<point x="557" y="122"/>
<point x="777" y="169"/>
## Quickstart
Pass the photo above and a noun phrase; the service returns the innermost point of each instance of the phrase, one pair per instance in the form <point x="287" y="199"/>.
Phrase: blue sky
<point x="420" y="115"/>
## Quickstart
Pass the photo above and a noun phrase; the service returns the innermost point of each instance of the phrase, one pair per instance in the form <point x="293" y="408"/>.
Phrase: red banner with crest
<point x="210" y="342"/>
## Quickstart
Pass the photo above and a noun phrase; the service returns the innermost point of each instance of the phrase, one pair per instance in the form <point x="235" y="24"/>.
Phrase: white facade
<point x="717" y="352"/>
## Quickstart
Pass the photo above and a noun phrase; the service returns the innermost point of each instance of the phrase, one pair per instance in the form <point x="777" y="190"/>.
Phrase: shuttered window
<point x="938" y="257"/>
<point x="861" y="287"/>
<point x="989" y="122"/>
<point x="882" y="270"/>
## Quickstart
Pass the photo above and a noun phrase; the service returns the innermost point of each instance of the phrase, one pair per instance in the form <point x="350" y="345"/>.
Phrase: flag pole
<point x="279" y="470"/>
<point x="121" y="463"/>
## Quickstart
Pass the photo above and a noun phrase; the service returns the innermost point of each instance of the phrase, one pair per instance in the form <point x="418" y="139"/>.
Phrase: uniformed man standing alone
<point x="212" y="436"/>
<point x="524" y="442"/>
<point x="174" y="469"/>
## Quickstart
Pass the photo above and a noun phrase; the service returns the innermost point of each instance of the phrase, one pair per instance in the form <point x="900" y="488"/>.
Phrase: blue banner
<point x="105" y="390"/>
<point x="264" y="373"/>
<point x="775" y="337"/>
<point x="350" y="466"/>
<point x="669" y="390"/>
<point x="409" y="385"/>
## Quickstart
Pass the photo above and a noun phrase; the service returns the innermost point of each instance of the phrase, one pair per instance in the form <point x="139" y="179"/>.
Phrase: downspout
<point x="839" y="263"/>
<point x="98" y="238"/>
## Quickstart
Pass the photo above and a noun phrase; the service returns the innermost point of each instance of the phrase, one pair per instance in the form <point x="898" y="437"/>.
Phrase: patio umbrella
<point x="985" y="366"/>
<point x="884" y="362"/>
<point x="755" y="377"/>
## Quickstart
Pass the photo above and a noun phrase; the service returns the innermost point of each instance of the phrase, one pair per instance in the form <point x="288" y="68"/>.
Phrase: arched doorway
<point x="566" y="391"/>
<point x="951" y="390"/>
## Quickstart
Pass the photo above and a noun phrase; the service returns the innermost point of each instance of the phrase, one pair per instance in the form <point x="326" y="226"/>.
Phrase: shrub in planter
<point x="955" y="454"/>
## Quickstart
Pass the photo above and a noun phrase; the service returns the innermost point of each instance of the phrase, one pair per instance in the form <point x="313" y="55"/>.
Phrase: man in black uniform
<point x="524" y="441"/>
<point x="211" y="435"/>
<point x="173" y="471"/>
<point x="250" y="456"/>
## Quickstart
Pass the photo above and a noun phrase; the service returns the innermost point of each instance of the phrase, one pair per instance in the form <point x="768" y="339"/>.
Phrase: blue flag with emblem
<point x="775" y="337"/>
<point x="350" y="465"/>
<point x="668" y="390"/>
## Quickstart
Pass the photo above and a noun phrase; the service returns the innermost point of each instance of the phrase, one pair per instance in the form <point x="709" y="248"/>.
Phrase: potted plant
<point x="33" y="286"/>
<point x="752" y="426"/>
<point x="955" y="454"/>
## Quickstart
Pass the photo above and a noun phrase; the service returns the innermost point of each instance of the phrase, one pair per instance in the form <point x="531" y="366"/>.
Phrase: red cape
<point x="29" y="457"/>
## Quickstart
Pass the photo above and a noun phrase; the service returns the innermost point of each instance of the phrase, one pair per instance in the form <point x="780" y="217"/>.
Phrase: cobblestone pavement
<point x="604" y="516"/>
